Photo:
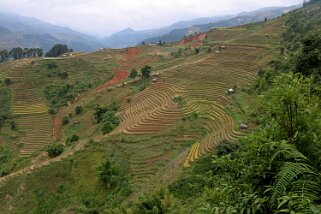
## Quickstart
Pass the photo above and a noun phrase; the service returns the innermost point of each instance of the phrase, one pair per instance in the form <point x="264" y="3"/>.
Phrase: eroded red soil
<point x="198" y="37"/>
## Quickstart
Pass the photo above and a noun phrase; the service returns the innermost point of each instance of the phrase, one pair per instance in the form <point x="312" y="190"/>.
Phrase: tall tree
<point x="4" y="55"/>
<point x="146" y="71"/>
<point x="58" y="50"/>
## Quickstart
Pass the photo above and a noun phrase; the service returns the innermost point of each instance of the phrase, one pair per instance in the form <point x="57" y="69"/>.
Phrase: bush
<point x="133" y="73"/>
<point x="65" y="120"/>
<point x="55" y="150"/>
<point x="13" y="125"/>
<point x="63" y="74"/>
<point x="71" y="140"/>
<point x="78" y="110"/>
<point x="108" y="173"/>
<point x="225" y="147"/>
<point x="51" y="65"/>
<point x="59" y="95"/>
<point x="7" y="81"/>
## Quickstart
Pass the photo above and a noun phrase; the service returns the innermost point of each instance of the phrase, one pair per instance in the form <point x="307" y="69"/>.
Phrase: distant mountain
<point x="29" y="32"/>
<point x="240" y="19"/>
<point x="130" y="37"/>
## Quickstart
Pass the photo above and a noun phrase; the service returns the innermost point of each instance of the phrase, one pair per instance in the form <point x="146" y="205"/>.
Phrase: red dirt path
<point x="56" y="127"/>
<point x="119" y="76"/>
<point x="198" y="37"/>
<point x="121" y="73"/>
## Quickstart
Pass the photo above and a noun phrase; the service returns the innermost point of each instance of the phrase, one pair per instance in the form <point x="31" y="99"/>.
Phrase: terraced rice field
<point x="202" y="82"/>
<point x="151" y="110"/>
<point x="29" y="110"/>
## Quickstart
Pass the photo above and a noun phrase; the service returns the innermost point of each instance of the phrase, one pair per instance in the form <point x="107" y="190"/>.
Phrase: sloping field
<point x="201" y="81"/>
<point x="151" y="110"/>
<point x="204" y="82"/>
<point x="30" y="111"/>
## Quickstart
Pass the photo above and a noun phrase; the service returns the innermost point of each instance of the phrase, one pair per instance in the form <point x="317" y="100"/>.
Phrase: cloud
<point x="103" y="17"/>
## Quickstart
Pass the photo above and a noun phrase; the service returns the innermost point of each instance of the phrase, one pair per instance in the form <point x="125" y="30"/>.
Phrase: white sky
<point x="103" y="17"/>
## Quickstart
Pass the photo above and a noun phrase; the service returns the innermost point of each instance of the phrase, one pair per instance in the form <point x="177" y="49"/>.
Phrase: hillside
<point x="30" y="33"/>
<point x="177" y="31"/>
<point x="241" y="19"/>
<point x="220" y="126"/>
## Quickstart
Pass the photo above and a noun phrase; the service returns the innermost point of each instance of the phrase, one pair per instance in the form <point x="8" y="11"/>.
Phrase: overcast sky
<point x="103" y="17"/>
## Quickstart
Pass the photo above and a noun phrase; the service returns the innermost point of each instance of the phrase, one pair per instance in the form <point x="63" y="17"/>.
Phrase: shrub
<point x="13" y="125"/>
<point x="55" y="150"/>
<point x="63" y="74"/>
<point x="225" y="147"/>
<point x="7" y="81"/>
<point x="51" y="65"/>
<point x="78" y="110"/>
<point x="108" y="173"/>
<point x="71" y="140"/>
<point x="65" y="120"/>
<point x="197" y="51"/>
<point x="133" y="73"/>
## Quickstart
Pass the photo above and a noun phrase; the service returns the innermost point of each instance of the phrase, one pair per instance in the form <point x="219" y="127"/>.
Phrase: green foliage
<point x="4" y="55"/>
<point x="146" y="70"/>
<point x="52" y="65"/>
<point x="178" y="53"/>
<point x="59" y="95"/>
<point x="180" y="101"/>
<point x="65" y="120"/>
<point x="58" y="50"/>
<point x="225" y="147"/>
<point x="78" y="110"/>
<point x="71" y="140"/>
<point x="308" y="60"/>
<point x="55" y="150"/>
<point x="4" y="160"/>
<point x="140" y="85"/>
<point x="7" y="81"/>
<point x="197" y="51"/>
<point x="106" y="116"/>
<point x="159" y="203"/>
<point x="299" y="24"/>
<point x="5" y="104"/>
<point x="133" y="73"/>
<point x="108" y="173"/>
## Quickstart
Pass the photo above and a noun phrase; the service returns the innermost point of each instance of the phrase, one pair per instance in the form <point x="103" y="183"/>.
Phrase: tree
<point x="16" y="53"/>
<point x="4" y="55"/>
<point x="133" y="73"/>
<point x="55" y="150"/>
<point x="308" y="61"/>
<point x="57" y="50"/>
<point x="146" y="71"/>
<point x="39" y="52"/>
